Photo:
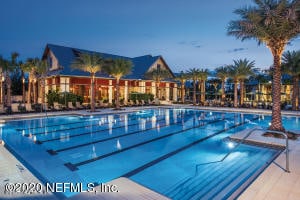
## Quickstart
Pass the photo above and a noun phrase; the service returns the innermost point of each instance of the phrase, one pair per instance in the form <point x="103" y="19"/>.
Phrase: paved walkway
<point x="273" y="183"/>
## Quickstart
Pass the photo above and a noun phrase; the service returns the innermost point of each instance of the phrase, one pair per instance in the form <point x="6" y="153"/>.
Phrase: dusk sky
<point x="187" y="33"/>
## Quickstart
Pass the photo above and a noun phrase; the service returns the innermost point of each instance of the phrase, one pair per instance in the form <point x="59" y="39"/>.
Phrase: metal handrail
<point x="244" y="138"/>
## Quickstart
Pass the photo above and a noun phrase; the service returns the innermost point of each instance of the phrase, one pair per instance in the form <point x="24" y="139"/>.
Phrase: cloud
<point x="236" y="50"/>
<point x="193" y="43"/>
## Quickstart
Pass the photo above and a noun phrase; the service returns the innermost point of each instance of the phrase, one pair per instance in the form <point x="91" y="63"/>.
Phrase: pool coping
<point x="130" y="109"/>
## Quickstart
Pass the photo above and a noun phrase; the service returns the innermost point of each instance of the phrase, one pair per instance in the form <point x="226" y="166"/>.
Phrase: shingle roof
<point x="66" y="55"/>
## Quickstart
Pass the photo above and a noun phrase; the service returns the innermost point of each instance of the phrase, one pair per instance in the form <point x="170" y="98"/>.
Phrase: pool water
<point x="171" y="151"/>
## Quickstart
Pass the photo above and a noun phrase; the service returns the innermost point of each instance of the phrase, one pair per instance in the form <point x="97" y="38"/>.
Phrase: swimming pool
<point x="157" y="148"/>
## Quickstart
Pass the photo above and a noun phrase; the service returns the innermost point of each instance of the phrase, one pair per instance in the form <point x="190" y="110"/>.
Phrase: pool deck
<point x="274" y="183"/>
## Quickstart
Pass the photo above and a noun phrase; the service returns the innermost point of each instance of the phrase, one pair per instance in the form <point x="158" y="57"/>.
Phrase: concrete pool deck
<point x="273" y="183"/>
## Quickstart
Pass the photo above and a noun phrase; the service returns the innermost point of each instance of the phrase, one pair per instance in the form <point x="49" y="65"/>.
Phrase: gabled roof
<point x="67" y="55"/>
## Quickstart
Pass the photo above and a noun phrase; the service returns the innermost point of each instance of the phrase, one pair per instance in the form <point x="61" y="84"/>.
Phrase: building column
<point x="167" y="91"/>
<point x="110" y="92"/>
<point x="153" y="88"/>
<point x="175" y="92"/>
<point x="126" y="92"/>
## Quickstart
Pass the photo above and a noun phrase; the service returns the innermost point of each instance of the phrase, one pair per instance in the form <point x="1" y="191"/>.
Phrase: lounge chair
<point x="103" y="105"/>
<point x="131" y="103"/>
<point x="143" y="102"/>
<point x="29" y="107"/>
<point x="156" y="101"/>
<point x="137" y="103"/>
<point x="45" y="107"/>
<point x="78" y="105"/>
<point x="57" y="106"/>
<point x="150" y="102"/>
<point x="15" y="107"/>
<point x="70" y="106"/>
<point x="2" y="109"/>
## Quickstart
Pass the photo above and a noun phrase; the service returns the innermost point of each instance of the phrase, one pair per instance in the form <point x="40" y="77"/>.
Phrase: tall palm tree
<point x="158" y="74"/>
<point x="222" y="74"/>
<point x="118" y="68"/>
<point x="291" y="66"/>
<point x="11" y="65"/>
<point x="41" y="70"/>
<point x="3" y="67"/>
<point x="244" y="69"/>
<point x="234" y="75"/>
<point x="91" y="63"/>
<point x="22" y="66"/>
<point x="31" y="66"/>
<point x="262" y="79"/>
<point x="182" y="77"/>
<point x="273" y="23"/>
<point x="194" y="75"/>
<point x="203" y="74"/>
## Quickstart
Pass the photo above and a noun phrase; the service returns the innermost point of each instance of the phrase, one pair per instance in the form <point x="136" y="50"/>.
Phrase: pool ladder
<point x="287" y="168"/>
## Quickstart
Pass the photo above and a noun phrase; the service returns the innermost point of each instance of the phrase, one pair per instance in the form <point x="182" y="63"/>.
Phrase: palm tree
<point x="11" y="65"/>
<point x="118" y="69"/>
<point x="27" y="67"/>
<point x="31" y="66"/>
<point x="158" y="74"/>
<point x="41" y="69"/>
<point x="262" y="79"/>
<point x="203" y="74"/>
<point x="291" y="66"/>
<point x="234" y="75"/>
<point x="3" y="67"/>
<point x="194" y="75"/>
<point x="182" y="77"/>
<point x="91" y="63"/>
<point x="222" y="73"/>
<point x="244" y="69"/>
<point x="273" y="23"/>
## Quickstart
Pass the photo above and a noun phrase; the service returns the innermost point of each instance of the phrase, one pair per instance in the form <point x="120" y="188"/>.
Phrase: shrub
<point x="141" y="96"/>
<point x="63" y="97"/>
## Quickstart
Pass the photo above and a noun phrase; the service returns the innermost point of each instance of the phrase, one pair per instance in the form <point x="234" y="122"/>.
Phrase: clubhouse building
<point x="61" y="77"/>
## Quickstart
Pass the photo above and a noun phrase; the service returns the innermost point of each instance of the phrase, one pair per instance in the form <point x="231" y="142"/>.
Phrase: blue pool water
<point x="158" y="148"/>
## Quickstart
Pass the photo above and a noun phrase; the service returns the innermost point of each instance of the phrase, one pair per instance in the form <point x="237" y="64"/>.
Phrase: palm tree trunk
<point x="118" y="93"/>
<point x="276" y="123"/>
<point x="223" y="91"/>
<point x="8" y="83"/>
<point x="29" y="91"/>
<point x="242" y="92"/>
<point x="2" y="91"/>
<point x="194" y="92"/>
<point x="203" y="91"/>
<point x="92" y="93"/>
<point x="43" y="90"/>
<point x="23" y="87"/>
<point x="235" y="100"/>
<point x="182" y="92"/>
<point x="34" y="92"/>
<point x="295" y="99"/>
<point x="157" y="89"/>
